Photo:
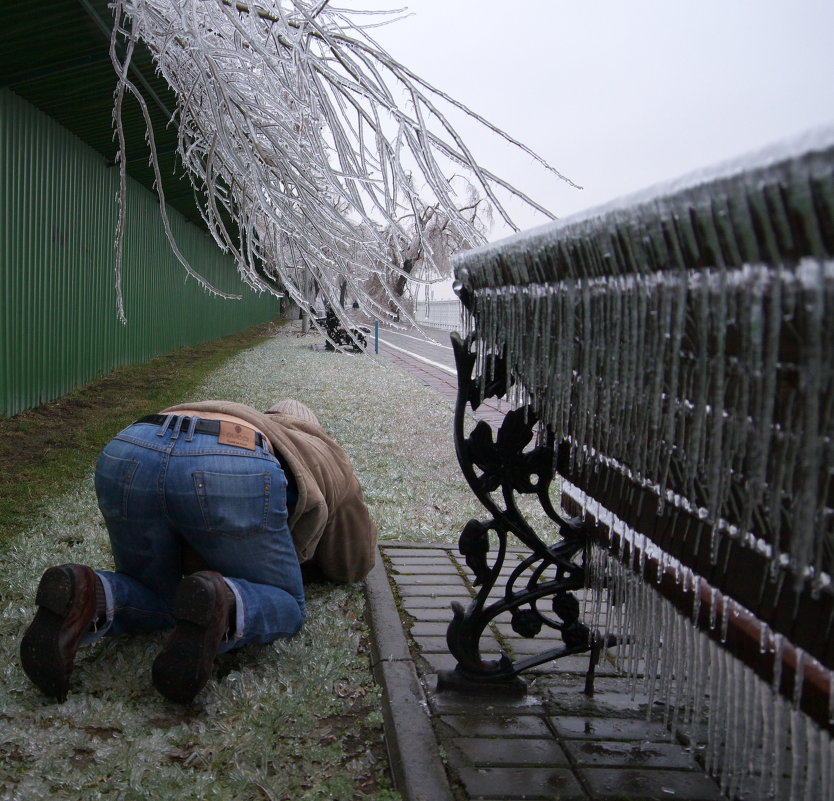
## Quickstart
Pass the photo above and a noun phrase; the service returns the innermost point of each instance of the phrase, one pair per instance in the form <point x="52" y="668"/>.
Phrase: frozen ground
<point x="298" y="719"/>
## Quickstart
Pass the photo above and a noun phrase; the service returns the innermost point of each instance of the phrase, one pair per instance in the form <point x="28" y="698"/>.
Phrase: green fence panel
<point x="58" y="306"/>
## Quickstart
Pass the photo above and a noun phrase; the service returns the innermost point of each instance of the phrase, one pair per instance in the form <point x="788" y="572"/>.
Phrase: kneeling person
<point x="212" y="509"/>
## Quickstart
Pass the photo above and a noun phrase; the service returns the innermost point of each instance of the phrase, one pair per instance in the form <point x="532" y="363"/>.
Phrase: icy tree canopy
<point x="305" y="142"/>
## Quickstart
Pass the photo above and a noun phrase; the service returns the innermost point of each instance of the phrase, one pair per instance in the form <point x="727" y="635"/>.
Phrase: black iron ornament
<point x="538" y="593"/>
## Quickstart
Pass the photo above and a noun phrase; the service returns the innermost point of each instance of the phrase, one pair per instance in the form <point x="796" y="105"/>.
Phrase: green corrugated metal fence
<point x="57" y="309"/>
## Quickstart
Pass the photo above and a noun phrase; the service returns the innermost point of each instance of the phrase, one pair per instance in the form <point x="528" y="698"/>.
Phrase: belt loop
<point x="192" y="424"/>
<point x="177" y="427"/>
<point x="164" y="427"/>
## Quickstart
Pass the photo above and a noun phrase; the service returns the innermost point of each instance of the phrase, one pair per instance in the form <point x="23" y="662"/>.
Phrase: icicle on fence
<point x="679" y="346"/>
<point x="759" y="743"/>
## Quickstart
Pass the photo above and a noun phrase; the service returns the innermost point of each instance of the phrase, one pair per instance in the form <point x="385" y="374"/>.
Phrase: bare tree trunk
<point x="402" y="279"/>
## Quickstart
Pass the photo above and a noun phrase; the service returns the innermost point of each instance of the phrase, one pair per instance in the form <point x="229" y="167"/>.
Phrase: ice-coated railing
<point x="443" y="314"/>
<point x="676" y="350"/>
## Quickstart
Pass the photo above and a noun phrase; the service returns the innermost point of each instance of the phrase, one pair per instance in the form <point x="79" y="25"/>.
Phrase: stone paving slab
<point x="554" y="743"/>
<point x="431" y="615"/>
<point x="518" y="783"/>
<point x="426" y="602"/>
<point x="417" y="565"/>
<point x="426" y="588"/>
<point x="482" y="751"/>
<point x="599" y="728"/>
<point x="438" y="645"/>
<point x="629" y="754"/>
<point x="428" y="580"/>
<point x="650" y="785"/>
<point x="505" y="726"/>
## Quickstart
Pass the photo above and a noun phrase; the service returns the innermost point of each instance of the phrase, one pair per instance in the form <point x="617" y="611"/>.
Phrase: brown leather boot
<point x="66" y="600"/>
<point x="202" y="607"/>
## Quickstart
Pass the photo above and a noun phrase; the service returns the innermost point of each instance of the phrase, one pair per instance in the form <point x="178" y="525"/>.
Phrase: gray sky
<point x="621" y="94"/>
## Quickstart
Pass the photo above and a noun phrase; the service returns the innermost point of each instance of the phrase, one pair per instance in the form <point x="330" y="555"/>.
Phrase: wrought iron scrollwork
<point x="538" y="593"/>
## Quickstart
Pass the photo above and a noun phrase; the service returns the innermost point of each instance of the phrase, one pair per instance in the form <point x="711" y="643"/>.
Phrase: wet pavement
<point x="555" y="742"/>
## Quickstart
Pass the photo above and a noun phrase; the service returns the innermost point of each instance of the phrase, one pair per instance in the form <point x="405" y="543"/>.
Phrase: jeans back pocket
<point x="114" y="476"/>
<point x="233" y="504"/>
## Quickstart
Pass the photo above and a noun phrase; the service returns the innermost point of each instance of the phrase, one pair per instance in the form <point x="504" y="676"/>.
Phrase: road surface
<point x="437" y="352"/>
<point x="433" y="363"/>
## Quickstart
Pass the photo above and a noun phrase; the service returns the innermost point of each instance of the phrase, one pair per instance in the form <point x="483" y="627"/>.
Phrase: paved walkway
<point x="442" y="382"/>
<point x="555" y="743"/>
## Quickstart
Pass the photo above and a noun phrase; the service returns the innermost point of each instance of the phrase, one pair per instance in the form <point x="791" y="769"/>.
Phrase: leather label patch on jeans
<point x="235" y="434"/>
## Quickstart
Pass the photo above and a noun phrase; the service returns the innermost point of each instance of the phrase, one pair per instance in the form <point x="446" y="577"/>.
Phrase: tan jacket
<point x="330" y="524"/>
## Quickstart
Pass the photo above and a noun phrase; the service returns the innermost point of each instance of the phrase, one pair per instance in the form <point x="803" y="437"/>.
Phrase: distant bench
<point x="670" y="360"/>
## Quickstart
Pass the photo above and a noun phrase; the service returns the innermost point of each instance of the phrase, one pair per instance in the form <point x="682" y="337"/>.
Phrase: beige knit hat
<point x="294" y="408"/>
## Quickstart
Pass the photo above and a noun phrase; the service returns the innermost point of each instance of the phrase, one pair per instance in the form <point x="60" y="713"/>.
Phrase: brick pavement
<point x="444" y="384"/>
<point x="554" y="743"/>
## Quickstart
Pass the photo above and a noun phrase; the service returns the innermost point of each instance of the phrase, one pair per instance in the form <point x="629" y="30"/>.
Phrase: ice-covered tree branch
<point x="298" y="150"/>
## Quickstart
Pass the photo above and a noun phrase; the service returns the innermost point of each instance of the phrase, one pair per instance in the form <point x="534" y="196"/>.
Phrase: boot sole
<point x="39" y="653"/>
<point x="184" y="665"/>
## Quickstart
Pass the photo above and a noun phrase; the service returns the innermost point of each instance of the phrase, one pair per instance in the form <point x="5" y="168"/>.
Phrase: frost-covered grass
<point x="397" y="433"/>
<point x="297" y="719"/>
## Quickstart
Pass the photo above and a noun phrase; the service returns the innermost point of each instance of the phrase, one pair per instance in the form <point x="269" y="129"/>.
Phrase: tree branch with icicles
<point x="298" y="152"/>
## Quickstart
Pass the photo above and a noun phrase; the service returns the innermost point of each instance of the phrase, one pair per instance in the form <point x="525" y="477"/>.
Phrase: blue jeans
<point x="160" y="487"/>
